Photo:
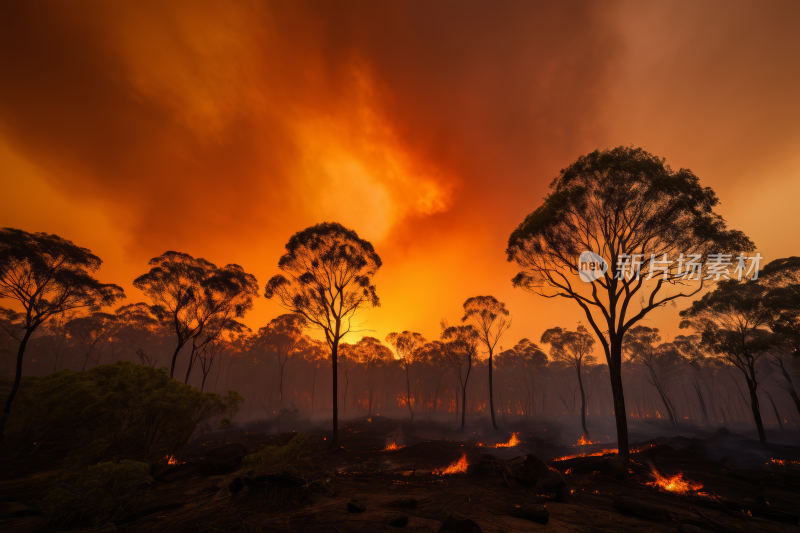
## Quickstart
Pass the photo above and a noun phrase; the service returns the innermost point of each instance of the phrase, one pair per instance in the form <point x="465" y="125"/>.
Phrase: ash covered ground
<point x="393" y="475"/>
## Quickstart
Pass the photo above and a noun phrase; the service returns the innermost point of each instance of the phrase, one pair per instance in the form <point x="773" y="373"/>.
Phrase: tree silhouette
<point x="575" y="349"/>
<point x="190" y="294"/>
<point x="408" y="347"/>
<point x="282" y="336"/>
<point x="48" y="276"/>
<point x="524" y="361"/>
<point x="460" y="345"/>
<point x="329" y="271"/>
<point x="370" y="355"/>
<point x="491" y="319"/>
<point x="621" y="204"/>
<point x="733" y="323"/>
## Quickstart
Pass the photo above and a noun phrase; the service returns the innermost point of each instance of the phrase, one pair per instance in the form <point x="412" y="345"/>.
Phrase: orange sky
<point x="432" y="128"/>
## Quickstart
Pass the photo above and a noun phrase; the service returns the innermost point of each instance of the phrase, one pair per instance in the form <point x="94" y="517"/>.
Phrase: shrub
<point x="276" y="458"/>
<point x="98" y="493"/>
<point x="121" y="410"/>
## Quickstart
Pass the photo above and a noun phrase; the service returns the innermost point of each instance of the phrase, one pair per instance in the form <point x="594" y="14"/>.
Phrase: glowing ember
<point x="603" y="452"/>
<point x="784" y="462"/>
<point x="172" y="461"/>
<point x="583" y="441"/>
<point x="392" y="447"/>
<point x="459" y="467"/>
<point x="674" y="483"/>
<point x="512" y="442"/>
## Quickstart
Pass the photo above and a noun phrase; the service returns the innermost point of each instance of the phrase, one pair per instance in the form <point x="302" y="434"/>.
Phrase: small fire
<point x="583" y="441"/>
<point x="459" y="467"/>
<point x="603" y="452"/>
<point x="784" y="462"/>
<point x="392" y="447"/>
<point x="511" y="443"/>
<point x="674" y="483"/>
<point x="172" y="461"/>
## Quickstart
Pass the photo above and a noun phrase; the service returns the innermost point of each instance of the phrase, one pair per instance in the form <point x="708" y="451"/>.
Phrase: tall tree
<point x="408" y="347"/>
<point x="460" y="345"/>
<point x="188" y="294"/>
<point x="94" y="334"/>
<point x="733" y="322"/>
<point x="281" y="336"/>
<point x="491" y="318"/>
<point x="48" y="276"/>
<point x="632" y="211"/>
<point x="328" y="278"/>
<point x="575" y="349"/>
<point x="372" y="357"/>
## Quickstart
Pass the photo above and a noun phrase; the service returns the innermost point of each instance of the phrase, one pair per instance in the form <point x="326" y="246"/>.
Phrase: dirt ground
<point x="732" y="484"/>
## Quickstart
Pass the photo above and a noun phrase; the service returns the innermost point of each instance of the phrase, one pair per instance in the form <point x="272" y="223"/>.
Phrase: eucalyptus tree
<point x="491" y="318"/>
<point x="371" y="356"/>
<point x="93" y="333"/>
<point x="626" y="209"/>
<point x="733" y="322"/>
<point x="327" y="278"/>
<point x="460" y="344"/>
<point x="189" y="294"/>
<point x="408" y="346"/>
<point x="282" y="336"/>
<point x="48" y="276"/>
<point x="524" y="362"/>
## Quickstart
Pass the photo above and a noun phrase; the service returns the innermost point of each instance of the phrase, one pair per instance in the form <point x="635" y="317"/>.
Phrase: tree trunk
<point x="191" y="363"/>
<point x="620" y="413"/>
<point x="15" y="387"/>
<point x="335" y="361"/>
<point x="756" y="410"/>
<point x="790" y="387"/>
<point x="174" y="359"/>
<point x="408" y="392"/>
<point x="463" y="406"/>
<point x="491" y="393"/>
<point x="583" y="403"/>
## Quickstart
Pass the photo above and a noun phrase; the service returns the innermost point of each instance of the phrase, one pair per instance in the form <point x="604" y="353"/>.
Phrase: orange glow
<point x="603" y="452"/>
<point x="674" y="483"/>
<point x="459" y="467"/>
<point x="392" y="447"/>
<point x="583" y="441"/>
<point x="784" y="462"/>
<point x="172" y="461"/>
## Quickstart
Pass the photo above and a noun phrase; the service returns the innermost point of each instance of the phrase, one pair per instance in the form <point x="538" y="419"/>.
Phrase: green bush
<point x="122" y="410"/>
<point x="276" y="458"/>
<point x="98" y="493"/>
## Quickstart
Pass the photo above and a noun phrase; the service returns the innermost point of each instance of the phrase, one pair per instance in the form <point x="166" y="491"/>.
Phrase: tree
<point x="460" y="345"/>
<point x="189" y="293"/>
<point x="48" y="276"/>
<point x="93" y="333"/>
<point x="370" y="355"/>
<point x="733" y="322"/>
<point x="407" y="345"/>
<point x="782" y="280"/>
<point x="329" y="271"/>
<point x="282" y="336"/>
<point x="491" y="319"/>
<point x="630" y="210"/>
<point x="575" y="349"/>
<point x="661" y="362"/>
<point x="524" y="361"/>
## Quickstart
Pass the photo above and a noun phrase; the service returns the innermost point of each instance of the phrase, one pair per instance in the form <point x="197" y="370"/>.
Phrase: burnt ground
<point x="735" y="485"/>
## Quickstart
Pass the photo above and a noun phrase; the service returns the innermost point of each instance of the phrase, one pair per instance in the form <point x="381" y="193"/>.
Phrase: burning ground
<point x="478" y="480"/>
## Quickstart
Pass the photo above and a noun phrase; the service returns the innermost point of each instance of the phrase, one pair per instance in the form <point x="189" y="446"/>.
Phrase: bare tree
<point x="460" y="345"/>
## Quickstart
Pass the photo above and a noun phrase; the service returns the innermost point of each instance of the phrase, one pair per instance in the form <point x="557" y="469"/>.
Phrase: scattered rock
<point x="403" y="503"/>
<point x="640" y="509"/>
<point x="356" y="507"/>
<point x="532" y="512"/>
<point x="456" y="523"/>
<point x="400" y="520"/>
<point x="236" y="485"/>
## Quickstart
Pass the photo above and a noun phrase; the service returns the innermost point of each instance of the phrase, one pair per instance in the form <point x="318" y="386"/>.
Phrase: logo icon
<point x="591" y="267"/>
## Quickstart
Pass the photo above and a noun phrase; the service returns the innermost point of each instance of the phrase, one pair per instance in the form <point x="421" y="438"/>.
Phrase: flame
<point x="459" y="467"/>
<point x="784" y="462"/>
<point x="674" y="483"/>
<point x="392" y="447"/>
<point x="587" y="454"/>
<point x="583" y="441"/>
<point x="511" y="443"/>
<point x="172" y="461"/>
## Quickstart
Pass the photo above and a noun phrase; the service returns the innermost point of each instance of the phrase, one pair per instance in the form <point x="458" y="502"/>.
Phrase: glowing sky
<point x="432" y="128"/>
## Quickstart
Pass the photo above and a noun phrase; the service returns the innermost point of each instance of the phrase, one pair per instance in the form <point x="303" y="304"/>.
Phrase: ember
<point x="511" y="443"/>
<point x="583" y="441"/>
<point x="784" y="462"/>
<point x="603" y="452"/>
<point x="172" y="461"/>
<point x="459" y="467"/>
<point x="392" y="447"/>
<point x="674" y="483"/>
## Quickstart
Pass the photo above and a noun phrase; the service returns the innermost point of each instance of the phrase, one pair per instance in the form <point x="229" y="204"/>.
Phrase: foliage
<point x="99" y="493"/>
<point x="276" y="458"/>
<point x="289" y="414"/>
<point x="118" y="410"/>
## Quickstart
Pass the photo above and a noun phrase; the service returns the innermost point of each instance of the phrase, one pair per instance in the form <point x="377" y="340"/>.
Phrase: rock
<point x="456" y="523"/>
<point x="400" y="520"/>
<point x="403" y="503"/>
<point x="236" y="485"/>
<point x="224" y="459"/>
<point x="532" y="512"/>
<point x="356" y="507"/>
<point x="632" y="507"/>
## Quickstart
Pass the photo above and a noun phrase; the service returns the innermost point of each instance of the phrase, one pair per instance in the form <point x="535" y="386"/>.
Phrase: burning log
<point x="675" y="484"/>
